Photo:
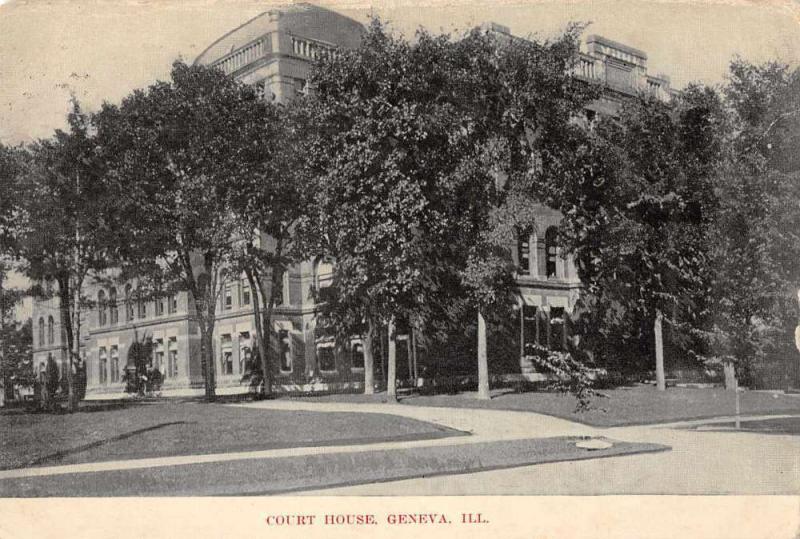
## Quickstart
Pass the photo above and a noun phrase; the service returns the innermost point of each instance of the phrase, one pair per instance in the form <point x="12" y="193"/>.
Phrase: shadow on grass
<point x="60" y="455"/>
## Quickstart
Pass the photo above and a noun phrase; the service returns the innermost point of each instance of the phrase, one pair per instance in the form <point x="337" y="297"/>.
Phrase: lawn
<point x="314" y="471"/>
<point x="781" y="425"/>
<point x="636" y="405"/>
<point x="166" y="429"/>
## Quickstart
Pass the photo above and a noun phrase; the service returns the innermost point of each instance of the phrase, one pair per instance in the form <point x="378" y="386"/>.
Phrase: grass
<point x="308" y="472"/>
<point x="167" y="429"/>
<point x="781" y="425"/>
<point x="636" y="405"/>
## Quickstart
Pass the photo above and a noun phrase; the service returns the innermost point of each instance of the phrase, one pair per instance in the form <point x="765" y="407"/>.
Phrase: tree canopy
<point x="175" y="152"/>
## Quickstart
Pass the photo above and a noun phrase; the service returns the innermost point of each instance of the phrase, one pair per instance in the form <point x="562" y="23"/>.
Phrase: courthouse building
<point x="274" y="52"/>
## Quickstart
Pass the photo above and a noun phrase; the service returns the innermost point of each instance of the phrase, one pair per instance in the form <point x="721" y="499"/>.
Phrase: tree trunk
<point x="64" y="301"/>
<point x="730" y="375"/>
<point x="391" y="378"/>
<point x="483" y="361"/>
<point x="207" y="359"/>
<point x="369" y="360"/>
<point x="268" y="308"/>
<point x="415" y="371"/>
<point x="76" y="342"/>
<point x="261" y="344"/>
<point x="207" y="356"/>
<point x="661" y="381"/>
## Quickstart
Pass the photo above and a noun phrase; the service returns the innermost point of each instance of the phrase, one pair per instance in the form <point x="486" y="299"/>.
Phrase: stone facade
<point x="273" y="51"/>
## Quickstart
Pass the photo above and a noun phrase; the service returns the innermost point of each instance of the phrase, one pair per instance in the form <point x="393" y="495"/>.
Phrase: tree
<point x="754" y="244"/>
<point x="637" y="217"/>
<point x="140" y="357"/>
<point x="523" y="105"/>
<point x="17" y="355"/>
<point x="175" y="151"/>
<point x="10" y="166"/>
<point x="267" y="204"/>
<point x="15" y="339"/>
<point x="64" y="225"/>
<point x="379" y="129"/>
<point x="436" y="155"/>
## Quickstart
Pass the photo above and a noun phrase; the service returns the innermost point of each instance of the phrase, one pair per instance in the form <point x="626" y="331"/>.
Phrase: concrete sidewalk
<point x="483" y="424"/>
<point x="701" y="462"/>
<point x="484" y="427"/>
<point x="498" y="440"/>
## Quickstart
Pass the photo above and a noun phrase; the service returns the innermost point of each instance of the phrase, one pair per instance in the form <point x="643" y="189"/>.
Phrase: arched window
<point x="112" y="305"/>
<point x="51" y="332"/>
<point x="524" y="251"/>
<point x="129" y="314"/>
<point x="102" y="314"/>
<point x="551" y="250"/>
<point x="41" y="332"/>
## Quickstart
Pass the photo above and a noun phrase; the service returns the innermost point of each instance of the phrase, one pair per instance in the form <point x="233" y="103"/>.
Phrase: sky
<point x="100" y="50"/>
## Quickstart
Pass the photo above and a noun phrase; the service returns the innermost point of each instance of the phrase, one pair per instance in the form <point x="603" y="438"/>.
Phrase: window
<point x="524" y="251"/>
<point x="245" y="291"/>
<point x="543" y="328"/>
<point x="51" y="332"/>
<point x="172" y="357"/>
<point x="300" y="86"/>
<point x="114" y="364"/>
<point x="172" y="304"/>
<point x="227" y="354"/>
<point x="557" y="333"/>
<point x="326" y="357"/>
<point x="357" y="355"/>
<point x="551" y="251"/>
<point x="228" y="299"/>
<point x="277" y="293"/>
<point x="285" y="350"/>
<point x="158" y="355"/>
<point x="324" y="273"/>
<point x="142" y="306"/>
<point x="112" y="305"/>
<point x="102" y="314"/>
<point x="529" y="325"/>
<point x="260" y="89"/>
<point x="403" y="357"/>
<point x="41" y="332"/>
<point x="160" y="306"/>
<point x="245" y="353"/>
<point x="129" y="314"/>
<point x="102" y="359"/>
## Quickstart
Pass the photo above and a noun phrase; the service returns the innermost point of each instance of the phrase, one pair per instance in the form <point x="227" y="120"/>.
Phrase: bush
<point x="572" y="376"/>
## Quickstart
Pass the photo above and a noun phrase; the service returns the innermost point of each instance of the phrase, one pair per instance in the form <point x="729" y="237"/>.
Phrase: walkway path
<point x="699" y="463"/>
<point x="483" y="427"/>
